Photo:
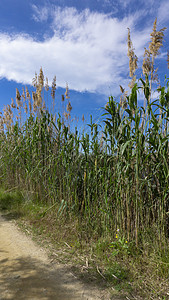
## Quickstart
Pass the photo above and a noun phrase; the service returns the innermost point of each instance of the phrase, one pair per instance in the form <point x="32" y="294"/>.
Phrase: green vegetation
<point x="105" y="191"/>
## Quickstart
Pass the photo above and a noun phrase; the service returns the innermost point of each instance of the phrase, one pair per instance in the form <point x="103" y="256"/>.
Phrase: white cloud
<point x="163" y="12"/>
<point x="155" y="95"/>
<point x="40" y="14"/>
<point x="88" y="50"/>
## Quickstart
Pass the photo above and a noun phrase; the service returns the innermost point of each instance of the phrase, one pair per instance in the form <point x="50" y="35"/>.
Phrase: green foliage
<point x="120" y="246"/>
<point x="109" y="177"/>
<point x="117" y="180"/>
<point x="10" y="200"/>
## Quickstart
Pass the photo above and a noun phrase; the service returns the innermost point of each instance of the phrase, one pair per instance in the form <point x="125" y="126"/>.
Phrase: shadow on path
<point x="26" y="278"/>
<point x="9" y="216"/>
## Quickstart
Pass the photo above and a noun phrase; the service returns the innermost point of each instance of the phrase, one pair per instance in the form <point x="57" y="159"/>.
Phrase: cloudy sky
<point x="82" y="42"/>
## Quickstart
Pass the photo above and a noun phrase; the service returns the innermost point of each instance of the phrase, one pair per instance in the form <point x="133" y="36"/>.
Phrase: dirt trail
<point x="27" y="273"/>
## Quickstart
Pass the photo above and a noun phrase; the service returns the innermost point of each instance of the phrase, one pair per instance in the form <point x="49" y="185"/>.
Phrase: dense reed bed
<point x="109" y="178"/>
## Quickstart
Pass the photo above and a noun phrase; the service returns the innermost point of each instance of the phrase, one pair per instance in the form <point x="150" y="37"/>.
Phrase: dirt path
<point x="27" y="273"/>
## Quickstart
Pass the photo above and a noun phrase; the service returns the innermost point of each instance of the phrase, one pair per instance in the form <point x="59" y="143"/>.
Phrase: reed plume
<point x="132" y="56"/>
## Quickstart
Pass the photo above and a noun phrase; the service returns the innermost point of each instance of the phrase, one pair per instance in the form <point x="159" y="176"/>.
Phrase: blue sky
<point x="82" y="42"/>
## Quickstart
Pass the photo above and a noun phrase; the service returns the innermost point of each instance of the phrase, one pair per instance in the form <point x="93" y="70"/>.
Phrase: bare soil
<point x="26" y="272"/>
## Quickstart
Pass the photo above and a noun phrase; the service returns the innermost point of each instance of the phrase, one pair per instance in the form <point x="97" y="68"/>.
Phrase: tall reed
<point x="109" y="178"/>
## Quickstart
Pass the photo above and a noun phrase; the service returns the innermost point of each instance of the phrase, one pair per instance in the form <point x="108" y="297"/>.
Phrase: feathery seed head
<point x="35" y="100"/>
<point x="41" y="78"/>
<point x="23" y="94"/>
<point x="34" y="96"/>
<point x="156" y="39"/>
<point x="67" y="91"/>
<point x="30" y="105"/>
<point x="27" y="93"/>
<point x="9" y="110"/>
<point x="146" y="67"/>
<point x="132" y="57"/>
<point x="12" y="103"/>
<point x="123" y="101"/>
<point x="69" y="107"/>
<point x="53" y="88"/>
<point x="155" y="76"/>
<point x="132" y="82"/>
<point x="66" y="115"/>
<point x="46" y="85"/>
<point x="26" y="108"/>
<point x="35" y="80"/>
<point x="7" y="116"/>
<point x="34" y="107"/>
<point x="168" y="59"/>
<point x="18" y="98"/>
<point x="1" y="125"/>
<point x="39" y="96"/>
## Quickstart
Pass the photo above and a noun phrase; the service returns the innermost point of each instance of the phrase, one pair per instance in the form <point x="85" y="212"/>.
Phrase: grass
<point x="129" y="272"/>
<point x="10" y="200"/>
<point x="103" y="190"/>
